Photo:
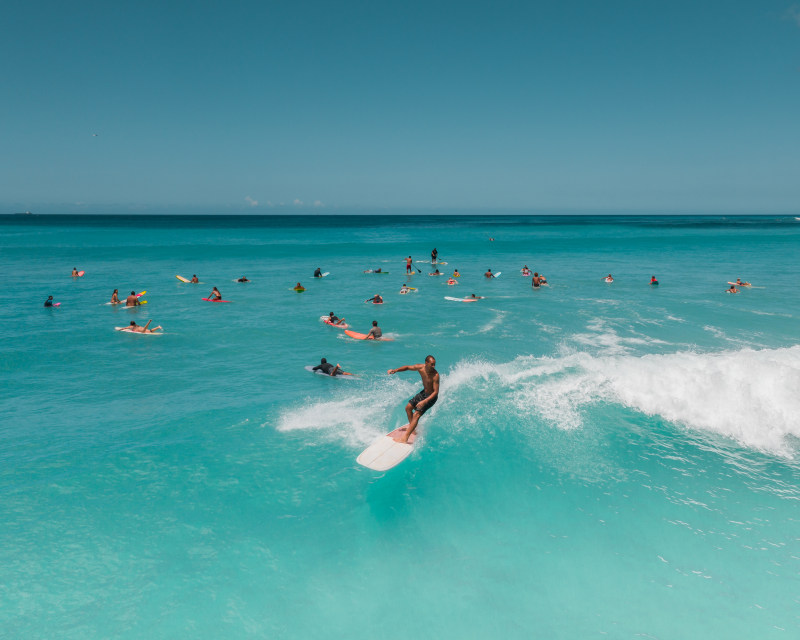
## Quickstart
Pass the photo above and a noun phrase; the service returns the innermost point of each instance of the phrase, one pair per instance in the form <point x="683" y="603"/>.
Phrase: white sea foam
<point x="747" y="395"/>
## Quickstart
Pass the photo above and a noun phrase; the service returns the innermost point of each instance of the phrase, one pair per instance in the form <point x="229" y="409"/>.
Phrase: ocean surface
<point x="605" y="460"/>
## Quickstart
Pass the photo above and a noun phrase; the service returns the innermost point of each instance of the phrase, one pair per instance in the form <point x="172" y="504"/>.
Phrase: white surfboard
<point x="386" y="452"/>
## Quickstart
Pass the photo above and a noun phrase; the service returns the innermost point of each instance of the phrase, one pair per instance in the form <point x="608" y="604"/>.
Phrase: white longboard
<point x="386" y="452"/>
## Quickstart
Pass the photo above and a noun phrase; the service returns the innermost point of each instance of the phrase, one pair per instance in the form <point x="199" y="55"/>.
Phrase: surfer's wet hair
<point x="429" y="358"/>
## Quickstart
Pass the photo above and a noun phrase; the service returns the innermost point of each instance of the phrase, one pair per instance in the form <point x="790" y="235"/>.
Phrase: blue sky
<point x="265" y="107"/>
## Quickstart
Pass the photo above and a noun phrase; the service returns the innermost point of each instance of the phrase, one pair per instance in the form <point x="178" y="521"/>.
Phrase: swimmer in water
<point x="425" y="399"/>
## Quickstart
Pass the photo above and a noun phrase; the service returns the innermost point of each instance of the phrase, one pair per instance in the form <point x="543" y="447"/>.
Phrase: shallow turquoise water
<point x="617" y="460"/>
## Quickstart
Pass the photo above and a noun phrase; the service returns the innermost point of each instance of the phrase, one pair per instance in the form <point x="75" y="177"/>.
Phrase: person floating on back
<point x="426" y="398"/>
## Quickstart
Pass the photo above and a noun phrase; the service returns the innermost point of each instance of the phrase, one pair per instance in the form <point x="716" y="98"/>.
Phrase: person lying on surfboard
<point x="115" y="297"/>
<point x="376" y="299"/>
<point x="378" y="270"/>
<point x="331" y="370"/>
<point x="474" y="297"/>
<point x="426" y="398"/>
<point x="243" y="279"/>
<point x="334" y="320"/>
<point x="132" y="300"/>
<point x="436" y="273"/>
<point x="137" y="328"/>
<point x="375" y="332"/>
<point x="195" y="279"/>
<point x="742" y="284"/>
<point x="404" y="288"/>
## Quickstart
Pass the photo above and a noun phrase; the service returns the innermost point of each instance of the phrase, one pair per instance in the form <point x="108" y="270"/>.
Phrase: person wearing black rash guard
<point x="318" y="273"/>
<point x="49" y="301"/>
<point x="330" y="369"/>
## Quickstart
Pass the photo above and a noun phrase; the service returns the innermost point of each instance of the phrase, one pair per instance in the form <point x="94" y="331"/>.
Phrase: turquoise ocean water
<point x="605" y="460"/>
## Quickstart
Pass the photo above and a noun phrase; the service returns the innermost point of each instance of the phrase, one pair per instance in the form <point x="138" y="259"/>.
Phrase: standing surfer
<point x="426" y="398"/>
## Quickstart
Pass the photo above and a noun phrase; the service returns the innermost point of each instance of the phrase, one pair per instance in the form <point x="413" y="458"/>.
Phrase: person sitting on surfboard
<point x="318" y="273"/>
<point x="426" y="398"/>
<point x="49" y="301"/>
<point x="489" y="273"/>
<point x="115" y="297"/>
<point x="537" y="281"/>
<point x="732" y="289"/>
<point x="215" y="294"/>
<point x="375" y="332"/>
<point x="456" y="274"/>
<point x="435" y="273"/>
<point x="243" y="279"/>
<point x="195" y="279"/>
<point x="526" y="271"/>
<point x="132" y="300"/>
<point x="653" y="280"/>
<point x="331" y="370"/>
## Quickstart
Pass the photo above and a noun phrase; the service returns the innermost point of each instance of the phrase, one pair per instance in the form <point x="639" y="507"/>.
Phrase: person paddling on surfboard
<point x="376" y="299"/>
<point x="436" y="272"/>
<point x="132" y="300"/>
<point x="408" y="264"/>
<point x="332" y="319"/>
<point x="426" y="398"/>
<point x="331" y="370"/>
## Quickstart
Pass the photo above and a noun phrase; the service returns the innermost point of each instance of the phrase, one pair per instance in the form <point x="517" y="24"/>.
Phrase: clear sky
<point x="258" y="106"/>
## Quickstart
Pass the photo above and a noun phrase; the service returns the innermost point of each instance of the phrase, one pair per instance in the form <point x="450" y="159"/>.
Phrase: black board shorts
<point x="419" y="398"/>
